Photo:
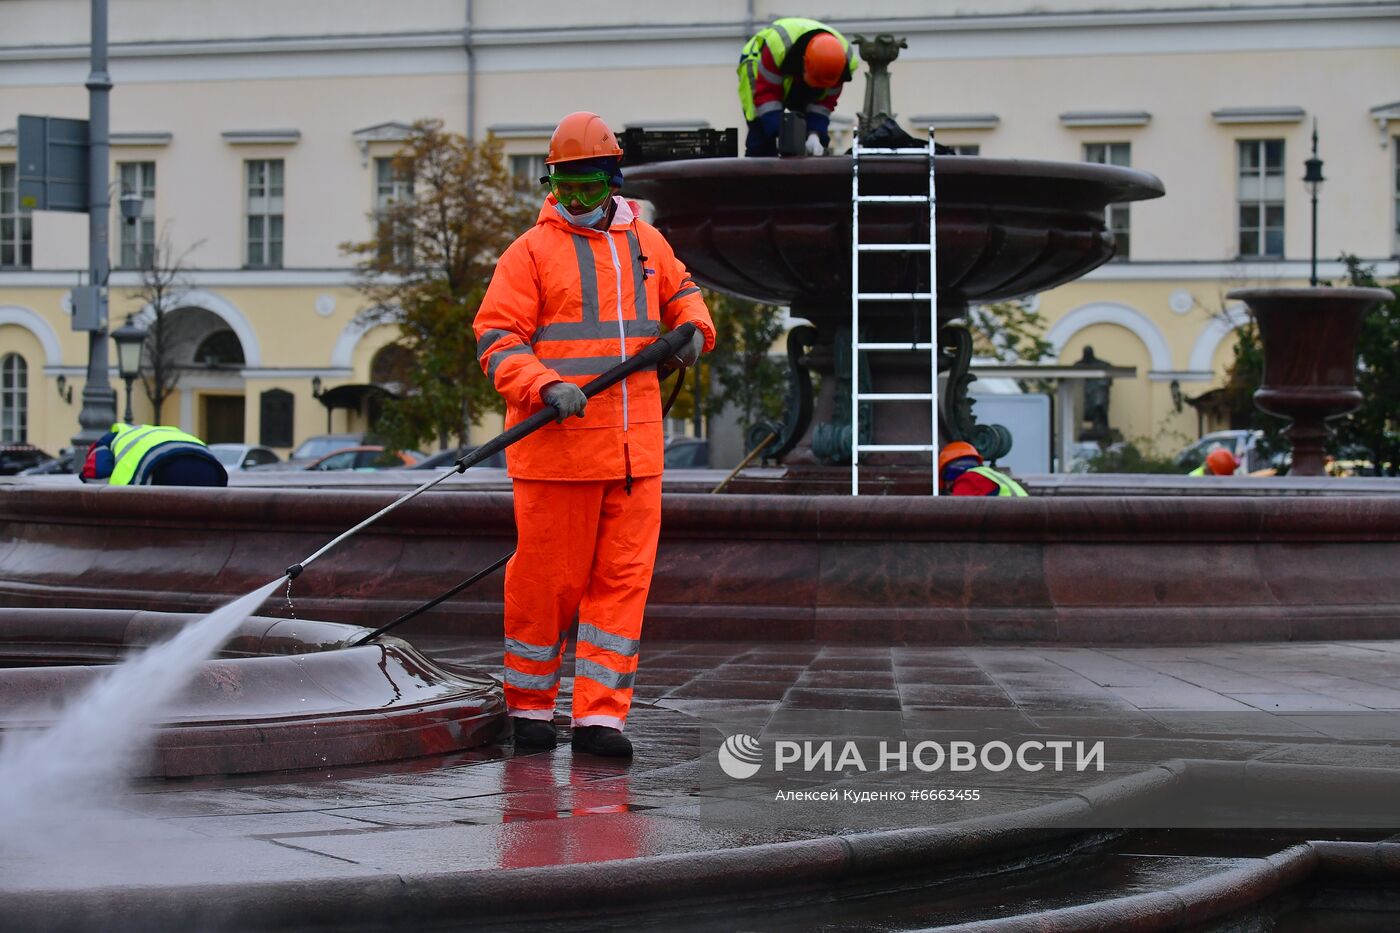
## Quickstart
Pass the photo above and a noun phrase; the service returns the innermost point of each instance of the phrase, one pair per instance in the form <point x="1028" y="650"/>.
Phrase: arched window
<point x="14" y="399"/>
<point x="221" y="348"/>
<point x="392" y="368"/>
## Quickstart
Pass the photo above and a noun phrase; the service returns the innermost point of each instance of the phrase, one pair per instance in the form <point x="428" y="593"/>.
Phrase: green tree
<point x="1009" y="331"/>
<point x="426" y="270"/>
<point x="741" y="372"/>
<point x="1375" y="426"/>
<point x="751" y="379"/>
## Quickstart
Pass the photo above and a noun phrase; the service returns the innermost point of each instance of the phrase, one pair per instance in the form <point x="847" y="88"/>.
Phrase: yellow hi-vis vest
<point x="133" y="444"/>
<point x="1199" y="471"/>
<point x="780" y="38"/>
<point x="1006" y="486"/>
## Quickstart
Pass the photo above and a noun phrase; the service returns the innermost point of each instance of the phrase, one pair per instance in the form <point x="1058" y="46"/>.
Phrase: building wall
<point x="328" y="68"/>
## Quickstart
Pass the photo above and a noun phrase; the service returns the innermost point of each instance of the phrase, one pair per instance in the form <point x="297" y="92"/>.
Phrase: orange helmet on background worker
<point x="957" y="450"/>
<point x="1222" y="462"/>
<point x="824" y="62"/>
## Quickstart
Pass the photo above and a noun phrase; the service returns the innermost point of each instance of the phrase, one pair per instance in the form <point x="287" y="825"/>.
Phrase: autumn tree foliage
<point x="425" y="270"/>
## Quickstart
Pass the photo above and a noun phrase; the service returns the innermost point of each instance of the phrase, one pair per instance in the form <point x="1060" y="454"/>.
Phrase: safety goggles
<point x="588" y="189"/>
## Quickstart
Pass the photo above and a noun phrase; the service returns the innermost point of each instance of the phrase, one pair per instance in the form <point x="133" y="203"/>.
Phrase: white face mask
<point x="591" y="219"/>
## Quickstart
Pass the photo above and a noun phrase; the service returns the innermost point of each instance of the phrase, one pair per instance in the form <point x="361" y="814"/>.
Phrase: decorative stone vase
<point x="1309" y="337"/>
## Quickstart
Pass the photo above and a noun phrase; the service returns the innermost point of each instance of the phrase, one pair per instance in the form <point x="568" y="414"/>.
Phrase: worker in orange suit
<point x="585" y="288"/>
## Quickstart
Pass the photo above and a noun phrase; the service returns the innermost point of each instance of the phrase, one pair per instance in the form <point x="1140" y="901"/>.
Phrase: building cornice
<point x="261" y="137"/>
<point x="956" y="121"/>
<point x="1229" y="116"/>
<point x="521" y="130"/>
<point x="1384" y="115"/>
<point x="1089" y="118"/>
<point x="142" y="139"/>
<point x="1135" y="271"/>
<point x="1237" y="271"/>
<point x="1273" y="15"/>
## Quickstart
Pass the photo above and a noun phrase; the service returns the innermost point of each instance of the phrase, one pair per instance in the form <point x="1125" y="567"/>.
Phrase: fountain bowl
<point x="283" y="694"/>
<point x="778" y="231"/>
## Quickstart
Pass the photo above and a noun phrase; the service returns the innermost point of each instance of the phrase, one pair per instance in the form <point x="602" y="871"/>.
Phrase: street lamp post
<point x="130" y="340"/>
<point x="1312" y="177"/>
<point x="99" y="401"/>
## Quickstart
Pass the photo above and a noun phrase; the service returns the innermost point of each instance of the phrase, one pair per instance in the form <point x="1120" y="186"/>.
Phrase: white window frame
<point x="390" y="188"/>
<point x="264" y="201"/>
<point x="136" y="242"/>
<point x="1260" y="190"/>
<point x="16" y="226"/>
<point x="1117" y="216"/>
<point x="1395" y="220"/>
<point x="527" y="167"/>
<point x="14" y="399"/>
<point x="967" y="149"/>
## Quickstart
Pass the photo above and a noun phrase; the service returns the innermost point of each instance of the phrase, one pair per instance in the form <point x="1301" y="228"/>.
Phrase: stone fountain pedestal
<point x="778" y="231"/>
<point x="1309" y="337"/>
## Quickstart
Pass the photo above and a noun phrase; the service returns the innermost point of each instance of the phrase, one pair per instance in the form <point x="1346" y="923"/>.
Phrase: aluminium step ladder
<point x="858" y="296"/>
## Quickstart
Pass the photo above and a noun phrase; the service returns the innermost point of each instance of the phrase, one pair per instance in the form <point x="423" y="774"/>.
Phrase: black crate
<point x="641" y="145"/>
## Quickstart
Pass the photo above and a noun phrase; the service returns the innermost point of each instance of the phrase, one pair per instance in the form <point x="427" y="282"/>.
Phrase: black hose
<point x="652" y="356"/>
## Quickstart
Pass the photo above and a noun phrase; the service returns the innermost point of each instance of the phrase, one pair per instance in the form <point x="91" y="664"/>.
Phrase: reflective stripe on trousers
<point x="585" y="549"/>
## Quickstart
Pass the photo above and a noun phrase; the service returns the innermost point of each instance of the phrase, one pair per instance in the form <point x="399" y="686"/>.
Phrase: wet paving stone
<point x="491" y="809"/>
<point x="807" y="698"/>
<point x="730" y="689"/>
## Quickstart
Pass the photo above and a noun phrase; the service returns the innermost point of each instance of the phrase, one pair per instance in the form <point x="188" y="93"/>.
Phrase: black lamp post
<point x="130" y="340"/>
<point x="1313" y="179"/>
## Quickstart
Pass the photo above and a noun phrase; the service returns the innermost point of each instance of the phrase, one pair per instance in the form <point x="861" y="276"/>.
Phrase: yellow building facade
<point x="264" y="130"/>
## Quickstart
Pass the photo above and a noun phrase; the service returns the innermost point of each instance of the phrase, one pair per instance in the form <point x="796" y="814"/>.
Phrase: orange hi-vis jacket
<point x="569" y="303"/>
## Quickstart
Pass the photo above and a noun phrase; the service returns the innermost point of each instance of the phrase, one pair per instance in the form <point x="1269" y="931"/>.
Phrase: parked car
<point x="313" y="449"/>
<point x="61" y="464"/>
<point x="366" y="457"/>
<point x="16" y="458"/>
<point x="687" y="453"/>
<point x="444" y="459"/>
<point x="243" y="456"/>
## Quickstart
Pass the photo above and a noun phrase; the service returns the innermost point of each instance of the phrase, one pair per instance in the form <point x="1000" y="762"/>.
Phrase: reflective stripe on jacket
<point x="136" y="448"/>
<point x="762" y="88"/>
<point x="1006" y="486"/>
<point x="569" y="303"/>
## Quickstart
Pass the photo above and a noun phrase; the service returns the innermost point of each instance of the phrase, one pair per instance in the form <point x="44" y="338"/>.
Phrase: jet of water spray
<point x="89" y="751"/>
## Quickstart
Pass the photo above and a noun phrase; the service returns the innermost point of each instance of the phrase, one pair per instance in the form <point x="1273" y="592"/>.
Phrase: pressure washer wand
<point x="651" y="356"/>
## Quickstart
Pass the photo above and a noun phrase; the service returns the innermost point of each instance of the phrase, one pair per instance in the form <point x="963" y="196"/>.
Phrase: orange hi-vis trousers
<point x="585" y="548"/>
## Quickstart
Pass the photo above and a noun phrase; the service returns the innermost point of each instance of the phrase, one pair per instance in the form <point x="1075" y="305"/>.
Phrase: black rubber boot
<point x="533" y="733"/>
<point x="600" y="740"/>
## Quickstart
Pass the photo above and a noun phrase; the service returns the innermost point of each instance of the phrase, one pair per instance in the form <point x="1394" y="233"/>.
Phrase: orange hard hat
<point x="582" y="135"/>
<point x="824" y="62"/>
<point x="1221" y="462"/>
<point x="956" y="451"/>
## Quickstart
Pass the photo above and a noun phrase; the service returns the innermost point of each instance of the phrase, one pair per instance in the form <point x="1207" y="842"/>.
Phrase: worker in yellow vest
<point x="151" y="455"/>
<point x="795" y="64"/>
<point x="961" y="473"/>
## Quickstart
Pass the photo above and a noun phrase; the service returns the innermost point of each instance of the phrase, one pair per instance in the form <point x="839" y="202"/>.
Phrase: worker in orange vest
<point x="588" y="286"/>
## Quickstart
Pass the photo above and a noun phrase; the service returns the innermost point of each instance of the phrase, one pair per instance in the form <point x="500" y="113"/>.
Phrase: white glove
<point x="814" y="145"/>
<point x="566" y="398"/>
<point x="688" y="354"/>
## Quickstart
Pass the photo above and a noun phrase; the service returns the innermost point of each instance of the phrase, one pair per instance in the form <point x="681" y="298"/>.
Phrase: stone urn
<point x="1309" y="338"/>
